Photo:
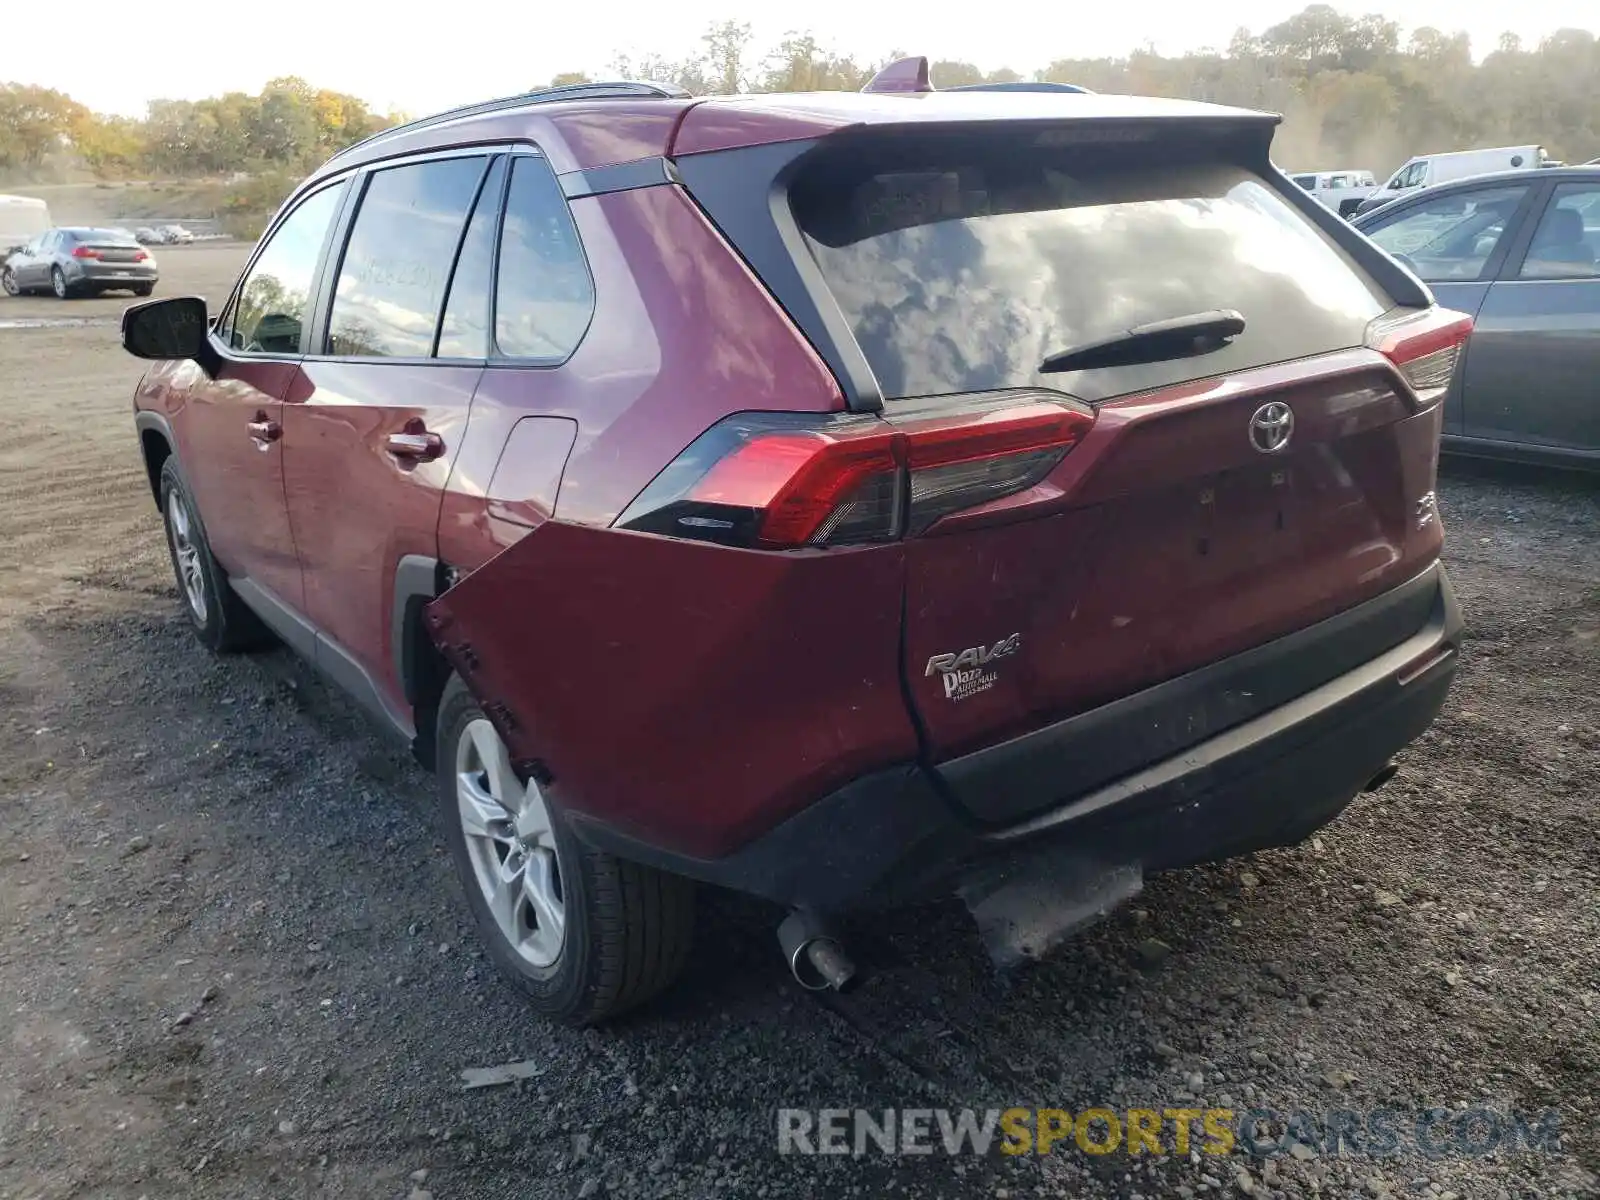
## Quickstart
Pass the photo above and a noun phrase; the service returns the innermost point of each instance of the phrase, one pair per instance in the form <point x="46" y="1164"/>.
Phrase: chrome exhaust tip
<point x="816" y="958"/>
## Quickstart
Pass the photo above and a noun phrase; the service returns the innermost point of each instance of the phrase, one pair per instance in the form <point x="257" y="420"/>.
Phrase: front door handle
<point x="415" y="444"/>
<point x="264" y="430"/>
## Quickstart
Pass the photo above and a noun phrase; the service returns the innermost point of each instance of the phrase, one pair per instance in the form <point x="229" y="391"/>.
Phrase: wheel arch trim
<point x="146" y="422"/>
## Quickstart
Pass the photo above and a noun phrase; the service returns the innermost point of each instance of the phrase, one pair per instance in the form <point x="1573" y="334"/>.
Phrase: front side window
<point x="397" y="262"/>
<point x="544" y="297"/>
<point x="1566" y="244"/>
<point x="1450" y="238"/>
<point x="274" y="302"/>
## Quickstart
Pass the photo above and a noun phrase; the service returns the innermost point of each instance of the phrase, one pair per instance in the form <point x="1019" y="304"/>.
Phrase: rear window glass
<point x="115" y="237"/>
<point x="962" y="273"/>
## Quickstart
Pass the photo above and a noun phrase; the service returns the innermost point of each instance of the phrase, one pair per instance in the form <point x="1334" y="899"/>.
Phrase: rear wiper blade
<point x="1177" y="337"/>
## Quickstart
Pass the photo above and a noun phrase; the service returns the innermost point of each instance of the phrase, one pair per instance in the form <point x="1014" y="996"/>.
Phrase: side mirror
<point x="167" y="329"/>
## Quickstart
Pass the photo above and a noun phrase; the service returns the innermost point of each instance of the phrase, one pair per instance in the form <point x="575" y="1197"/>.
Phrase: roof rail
<point x="910" y="75"/>
<point x="1020" y="86"/>
<point x="618" y="89"/>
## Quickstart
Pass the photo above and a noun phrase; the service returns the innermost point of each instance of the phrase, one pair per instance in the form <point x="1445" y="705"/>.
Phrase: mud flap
<point x="685" y="694"/>
<point x="1028" y="905"/>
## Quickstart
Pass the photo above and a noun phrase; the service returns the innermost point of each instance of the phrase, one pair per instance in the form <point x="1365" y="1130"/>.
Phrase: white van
<point x="1427" y="170"/>
<point x="1341" y="191"/>
<point x="22" y="218"/>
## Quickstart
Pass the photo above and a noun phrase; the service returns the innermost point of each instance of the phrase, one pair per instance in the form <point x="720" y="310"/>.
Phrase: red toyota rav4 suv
<point x="845" y="498"/>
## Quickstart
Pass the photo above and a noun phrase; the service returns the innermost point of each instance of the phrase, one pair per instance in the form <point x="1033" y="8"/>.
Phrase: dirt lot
<point x="233" y="961"/>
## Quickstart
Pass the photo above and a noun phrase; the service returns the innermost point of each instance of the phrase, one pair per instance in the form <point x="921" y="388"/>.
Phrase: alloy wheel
<point x="8" y="281"/>
<point x="511" y="845"/>
<point x="58" y="283"/>
<point x="190" y="573"/>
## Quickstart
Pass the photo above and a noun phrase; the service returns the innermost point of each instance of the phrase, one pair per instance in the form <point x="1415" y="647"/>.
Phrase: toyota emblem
<point x="1270" y="427"/>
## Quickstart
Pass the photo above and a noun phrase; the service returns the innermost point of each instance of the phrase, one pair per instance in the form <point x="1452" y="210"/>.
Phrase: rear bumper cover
<point x="100" y="272"/>
<point x="894" y="836"/>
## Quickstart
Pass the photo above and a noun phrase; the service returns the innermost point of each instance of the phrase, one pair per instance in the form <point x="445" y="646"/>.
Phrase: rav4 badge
<point x="964" y="674"/>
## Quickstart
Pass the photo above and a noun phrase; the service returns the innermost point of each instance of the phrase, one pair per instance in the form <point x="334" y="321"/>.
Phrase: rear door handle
<point x="264" y="430"/>
<point x="415" y="445"/>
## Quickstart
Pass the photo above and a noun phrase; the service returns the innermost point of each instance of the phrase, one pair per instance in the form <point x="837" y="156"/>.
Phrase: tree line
<point x="1353" y="92"/>
<point x="288" y="125"/>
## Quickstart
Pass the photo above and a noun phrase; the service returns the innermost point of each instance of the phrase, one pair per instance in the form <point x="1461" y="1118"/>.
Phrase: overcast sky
<point x="464" y="50"/>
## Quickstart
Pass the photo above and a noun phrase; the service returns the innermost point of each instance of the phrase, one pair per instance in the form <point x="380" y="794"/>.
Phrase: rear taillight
<point x="788" y="480"/>
<point x="139" y="256"/>
<point x="1425" y="345"/>
<point x="85" y="252"/>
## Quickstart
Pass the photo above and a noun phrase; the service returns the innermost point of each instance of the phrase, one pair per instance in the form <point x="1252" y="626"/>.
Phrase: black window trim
<point x="495" y="214"/>
<point x="1511" y="269"/>
<point x="496" y="357"/>
<point x="1515" y="225"/>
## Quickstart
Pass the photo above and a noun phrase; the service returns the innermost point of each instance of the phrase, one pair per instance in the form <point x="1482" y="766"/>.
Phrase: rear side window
<point x="544" y="296"/>
<point x="397" y="263"/>
<point x="963" y="275"/>
<point x="1566" y="244"/>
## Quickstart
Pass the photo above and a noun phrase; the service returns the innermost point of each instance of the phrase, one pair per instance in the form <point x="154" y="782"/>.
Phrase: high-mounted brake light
<point x="787" y="480"/>
<point x="1425" y="345"/>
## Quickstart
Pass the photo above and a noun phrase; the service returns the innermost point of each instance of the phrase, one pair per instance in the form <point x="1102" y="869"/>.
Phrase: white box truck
<point x="22" y="218"/>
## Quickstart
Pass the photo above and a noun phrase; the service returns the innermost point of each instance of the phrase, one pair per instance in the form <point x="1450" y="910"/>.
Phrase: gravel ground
<point x="234" y="963"/>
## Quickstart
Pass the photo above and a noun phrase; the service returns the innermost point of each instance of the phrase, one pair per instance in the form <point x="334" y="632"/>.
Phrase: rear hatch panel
<point x="1172" y="544"/>
<point x="1176" y="533"/>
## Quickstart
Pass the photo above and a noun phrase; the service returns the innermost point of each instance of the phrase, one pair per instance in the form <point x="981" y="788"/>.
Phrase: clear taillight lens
<point x="1425" y="344"/>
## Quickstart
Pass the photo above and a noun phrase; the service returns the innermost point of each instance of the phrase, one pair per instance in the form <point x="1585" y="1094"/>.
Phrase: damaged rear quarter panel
<point x="686" y="694"/>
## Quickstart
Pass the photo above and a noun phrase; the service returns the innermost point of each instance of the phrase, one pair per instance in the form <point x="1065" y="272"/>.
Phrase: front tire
<point x="8" y="283"/>
<point x="221" y="620"/>
<point x="582" y="934"/>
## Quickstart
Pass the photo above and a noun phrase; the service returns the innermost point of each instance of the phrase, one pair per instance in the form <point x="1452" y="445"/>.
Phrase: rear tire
<point x="222" y="621"/>
<point x="625" y="929"/>
<point x="144" y="289"/>
<point x="58" y="284"/>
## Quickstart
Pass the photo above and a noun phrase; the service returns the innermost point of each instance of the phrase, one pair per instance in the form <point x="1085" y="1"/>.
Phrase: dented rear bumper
<point x="731" y="739"/>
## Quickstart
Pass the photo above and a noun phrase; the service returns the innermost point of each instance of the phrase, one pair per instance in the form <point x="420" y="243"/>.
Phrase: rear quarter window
<point x="962" y="274"/>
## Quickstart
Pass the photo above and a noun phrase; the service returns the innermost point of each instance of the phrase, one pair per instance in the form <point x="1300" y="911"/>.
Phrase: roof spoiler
<point x="909" y="76"/>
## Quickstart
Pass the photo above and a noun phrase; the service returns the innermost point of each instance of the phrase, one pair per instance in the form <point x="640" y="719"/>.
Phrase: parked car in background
<point x="1340" y="191"/>
<point x="147" y="236"/>
<point x="639" y="461"/>
<point x="1430" y="170"/>
<point x="1519" y="251"/>
<point x="175" y="235"/>
<point x="80" y="261"/>
<point x="22" y="218"/>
